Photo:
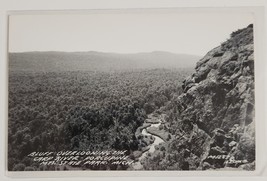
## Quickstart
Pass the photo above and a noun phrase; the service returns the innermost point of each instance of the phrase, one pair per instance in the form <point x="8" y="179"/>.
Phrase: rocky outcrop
<point x="218" y="103"/>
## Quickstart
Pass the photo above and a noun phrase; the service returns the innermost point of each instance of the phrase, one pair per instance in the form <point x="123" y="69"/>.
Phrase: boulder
<point x="217" y="151"/>
<point x="232" y="144"/>
<point x="206" y="166"/>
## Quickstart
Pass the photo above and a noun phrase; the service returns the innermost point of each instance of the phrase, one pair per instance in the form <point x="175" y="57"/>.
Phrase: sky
<point x="124" y="32"/>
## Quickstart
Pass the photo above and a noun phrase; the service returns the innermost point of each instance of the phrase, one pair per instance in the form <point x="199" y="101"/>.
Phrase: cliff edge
<point x="211" y="125"/>
<point x="218" y="105"/>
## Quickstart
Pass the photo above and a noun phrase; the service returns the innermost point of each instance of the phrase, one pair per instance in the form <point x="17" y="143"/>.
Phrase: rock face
<point x="218" y="105"/>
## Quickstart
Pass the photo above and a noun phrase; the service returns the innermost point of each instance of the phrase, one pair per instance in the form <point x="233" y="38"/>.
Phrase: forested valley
<point x="201" y="119"/>
<point x="83" y="110"/>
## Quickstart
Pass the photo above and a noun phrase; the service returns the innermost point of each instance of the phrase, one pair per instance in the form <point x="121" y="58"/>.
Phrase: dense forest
<point x="83" y="110"/>
<point x="202" y="119"/>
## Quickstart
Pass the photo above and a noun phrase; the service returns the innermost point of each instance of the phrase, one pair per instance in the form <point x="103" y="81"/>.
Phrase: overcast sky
<point x="178" y="32"/>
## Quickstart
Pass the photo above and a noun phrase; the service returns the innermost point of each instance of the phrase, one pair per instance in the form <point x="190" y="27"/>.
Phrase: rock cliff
<point x="216" y="109"/>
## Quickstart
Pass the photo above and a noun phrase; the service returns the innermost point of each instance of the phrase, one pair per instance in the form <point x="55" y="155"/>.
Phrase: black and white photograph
<point x="132" y="90"/>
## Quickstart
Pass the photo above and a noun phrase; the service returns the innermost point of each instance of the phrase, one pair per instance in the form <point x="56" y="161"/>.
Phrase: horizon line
<point x="104" y="52"/>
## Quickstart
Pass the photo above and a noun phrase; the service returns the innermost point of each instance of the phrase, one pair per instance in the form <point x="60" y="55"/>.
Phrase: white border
<point x="55" y="5"/>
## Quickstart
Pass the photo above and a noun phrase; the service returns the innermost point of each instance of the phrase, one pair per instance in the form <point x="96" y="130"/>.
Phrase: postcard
<point x="132" y="90"/>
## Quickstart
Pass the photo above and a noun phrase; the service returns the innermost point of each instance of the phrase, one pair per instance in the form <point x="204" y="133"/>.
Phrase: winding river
<point x="137" y="165"/>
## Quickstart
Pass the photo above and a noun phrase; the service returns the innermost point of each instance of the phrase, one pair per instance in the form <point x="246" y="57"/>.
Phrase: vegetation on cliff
<point x="212" y="122"/>
<point x="98" y="104"/>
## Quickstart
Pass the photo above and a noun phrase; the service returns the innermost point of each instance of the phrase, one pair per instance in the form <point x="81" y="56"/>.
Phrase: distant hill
<point x="97" y="61"/>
